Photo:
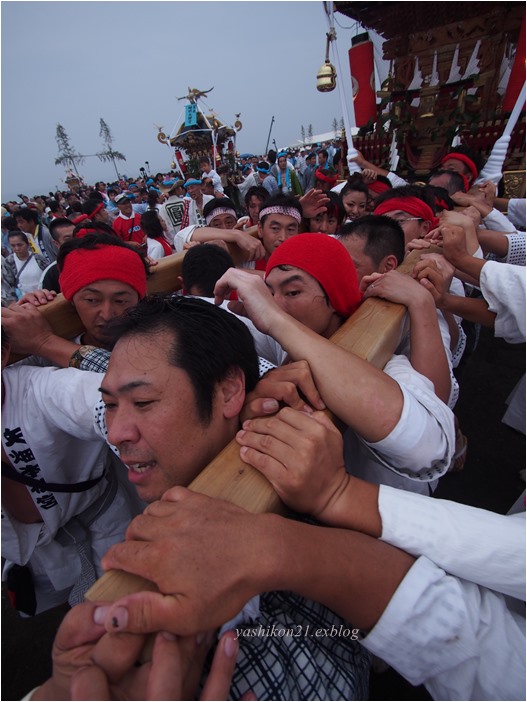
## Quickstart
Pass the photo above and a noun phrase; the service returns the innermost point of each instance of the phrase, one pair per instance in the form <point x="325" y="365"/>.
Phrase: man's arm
<point x="367" y="399"/>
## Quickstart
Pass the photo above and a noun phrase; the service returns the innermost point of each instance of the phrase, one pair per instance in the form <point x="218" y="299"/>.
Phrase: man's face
<point x="152" y="418"/>
<point x="454" y="164"/>
<point x="64" y="234"/>
<point x="364" y="264"/>
<point x="102" y="216"/>
<point x="282" y="163"/>
<point x="324" y="222"/>
<point x="311" y="160"/>
<point x="223" y="221"/>
<point x="206" y="167"/>
<point x="322" y="160"/>
<point x="194" y="190"/>
<point x="24" y="225"/>
<point x="275" y="230"/>
<point x="253" y="207"/>
<point x="207" y="187"/>
<point x="125" y="208"/>
<point x="413" y="227"/>
<point x="301" y="296"/>
<point x="19" y="246"/>
<point x="99" y="302"/>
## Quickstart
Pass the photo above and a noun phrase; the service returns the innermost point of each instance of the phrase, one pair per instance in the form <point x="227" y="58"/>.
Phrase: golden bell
<point x="326" y="78"/>
<point x="173" y="165"/>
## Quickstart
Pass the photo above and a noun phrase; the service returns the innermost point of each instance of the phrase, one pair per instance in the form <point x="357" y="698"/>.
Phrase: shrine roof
<point x="391" y="19"/>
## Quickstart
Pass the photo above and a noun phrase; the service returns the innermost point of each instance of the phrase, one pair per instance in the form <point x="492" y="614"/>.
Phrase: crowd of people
<point x="103" y="433"/>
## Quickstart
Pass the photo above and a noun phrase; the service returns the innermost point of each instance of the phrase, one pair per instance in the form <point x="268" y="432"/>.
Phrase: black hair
<point x="257" y="191"/>
<point x="218" y="202"/>
<point x="355" y="183"/>
<point x="335" y="207"/>
<point x="324" y="153"/>
<point x="203" y="266"/>
<point x="9" y="223"/>
<point x="272" y="155"/>
<point x="91" y="205"/>
<point x="455" y="182"/>
<point x="383" y="235"/>
<point x="101" y="228"/>
<point x="281" y="200"/>
<point x="442" y="200"/>
<point x="207" y="341"/>
<point x="407" y="191"/>
<point x="204" y="159"/>
<point x="17" y="232"/>
<point x="111" y="191"/>
<point x="28" y="214"/>
<point x="57" y="223"/>
<point x="151" y="224"/>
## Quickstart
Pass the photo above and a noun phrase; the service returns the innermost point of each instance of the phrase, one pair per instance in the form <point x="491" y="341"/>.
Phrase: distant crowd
<point x="103" y="433"/>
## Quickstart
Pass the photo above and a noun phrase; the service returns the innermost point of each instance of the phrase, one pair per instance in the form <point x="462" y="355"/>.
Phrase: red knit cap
<point x="84" y="266"/>
<point x="411" y="205"/>
<point x="328" y="262"/>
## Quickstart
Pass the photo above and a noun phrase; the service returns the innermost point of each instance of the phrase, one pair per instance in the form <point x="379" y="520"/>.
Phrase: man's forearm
<point x="367" y="399"/>
<point x="353" y="574"/>
<point x="473" y="310"/>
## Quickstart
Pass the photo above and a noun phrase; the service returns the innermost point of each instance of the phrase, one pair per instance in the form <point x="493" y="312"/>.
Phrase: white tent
<point x="320" y="138"/>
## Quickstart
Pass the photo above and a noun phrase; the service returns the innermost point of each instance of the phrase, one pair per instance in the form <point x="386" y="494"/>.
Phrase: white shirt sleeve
<point x="475" y="544"/>
<point x="421" y="445"/>
<point x="183" y="237"/>
<point x="516" y="212"/>
<point x="503" y="287"/>
<point x="458" y="639"/>
<point x="498" y="222"/>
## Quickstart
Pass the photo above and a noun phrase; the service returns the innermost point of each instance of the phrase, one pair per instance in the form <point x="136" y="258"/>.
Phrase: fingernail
<point x="230" y="647"/>
<point x="119" y="618"/>
<point x="270" y="405"/>
<point x="307" y="409"/>
<point x="240" y="434"/>
<point x="100" y="613"/>
<point x="168" y="636"/>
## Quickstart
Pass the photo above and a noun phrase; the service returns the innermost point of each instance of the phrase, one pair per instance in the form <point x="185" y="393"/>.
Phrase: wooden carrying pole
<point x="372" y="333"/>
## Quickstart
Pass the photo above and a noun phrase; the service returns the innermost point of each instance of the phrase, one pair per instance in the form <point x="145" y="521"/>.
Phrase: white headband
<point x="219" y="211"/>
<point x="278" y="209"/>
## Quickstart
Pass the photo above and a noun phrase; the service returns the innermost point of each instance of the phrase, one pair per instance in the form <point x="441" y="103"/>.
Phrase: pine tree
<point x="303" y="134"/>
<point x="310" y="131"/>
<point x="109" y="153"/>
<point x="341" y="125"/>
<point x="67" y="154"/>
<point x="335" y="127"/>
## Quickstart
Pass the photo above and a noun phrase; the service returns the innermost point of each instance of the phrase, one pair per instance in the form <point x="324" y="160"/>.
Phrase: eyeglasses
<point x="408" y="219"/>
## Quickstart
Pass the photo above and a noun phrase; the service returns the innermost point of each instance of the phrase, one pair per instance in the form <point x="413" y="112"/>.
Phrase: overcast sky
<point x="128" y="62"/>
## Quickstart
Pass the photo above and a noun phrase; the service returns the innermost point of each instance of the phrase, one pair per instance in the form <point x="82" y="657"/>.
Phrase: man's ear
<point x="231" y="392"/>
<point x="425" y="228"/>
<point x="388" y="263"/>
<point x="260" y="230"/>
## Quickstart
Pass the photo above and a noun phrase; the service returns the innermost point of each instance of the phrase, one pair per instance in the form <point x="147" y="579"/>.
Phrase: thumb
<point x="146" y="612"/>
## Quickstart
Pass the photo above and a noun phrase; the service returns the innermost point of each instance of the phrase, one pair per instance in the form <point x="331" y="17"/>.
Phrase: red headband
<point x="81" y="218"/>
<point x="378" y="187"/>
<point x="469" y="163"/>
<point x="324" y="178"/>
<point x="84" y="232"/>
<point x="328" y="262"/>
<point x="84" y="266"/>
<point x="411" y="205"/>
